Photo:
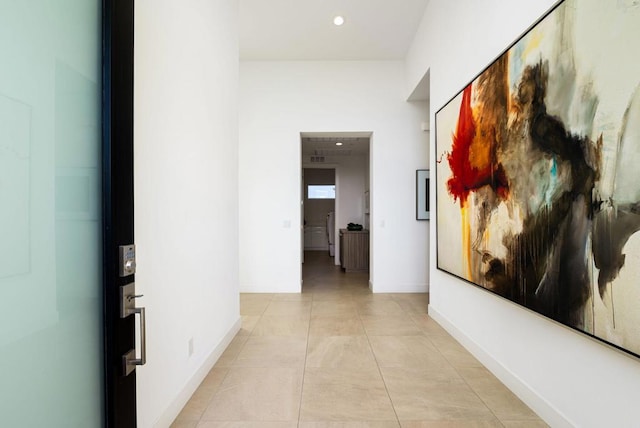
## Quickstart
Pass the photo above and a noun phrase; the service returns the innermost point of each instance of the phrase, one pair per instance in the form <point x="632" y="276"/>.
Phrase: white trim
<point x="530" y="397"/>
<point x="173" y="410"/>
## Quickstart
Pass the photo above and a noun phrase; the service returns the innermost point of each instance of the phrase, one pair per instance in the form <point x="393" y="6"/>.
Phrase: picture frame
<point x="536" y="178"/>
<point x="422" y="194"/>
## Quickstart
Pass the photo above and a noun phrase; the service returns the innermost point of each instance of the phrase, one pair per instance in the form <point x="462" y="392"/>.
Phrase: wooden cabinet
<point x="354" y="250"/>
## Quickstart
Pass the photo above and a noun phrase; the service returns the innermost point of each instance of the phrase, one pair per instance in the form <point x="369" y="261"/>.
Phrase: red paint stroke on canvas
<point x="468" y="174"/>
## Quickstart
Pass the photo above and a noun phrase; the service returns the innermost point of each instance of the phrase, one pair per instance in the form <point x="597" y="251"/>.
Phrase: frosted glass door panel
<point x="51" y="363"/>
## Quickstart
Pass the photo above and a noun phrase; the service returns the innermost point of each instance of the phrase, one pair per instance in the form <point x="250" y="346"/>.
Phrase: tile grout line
<point x="395" y="412"/>
<point x="228" y="369"/>
<point x="304" y="367"/>
<point x="474" y="391"/>
<point x="437" y="348"/>
<point x="214" y="394"/>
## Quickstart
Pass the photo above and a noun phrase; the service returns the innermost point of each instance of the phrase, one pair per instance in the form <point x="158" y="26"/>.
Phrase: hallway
<point x="338" y="356"/>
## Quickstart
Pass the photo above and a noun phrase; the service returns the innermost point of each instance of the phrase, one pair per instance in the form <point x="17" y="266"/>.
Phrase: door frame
<point x="337" y="166"/>
<point x="117" y="204"/>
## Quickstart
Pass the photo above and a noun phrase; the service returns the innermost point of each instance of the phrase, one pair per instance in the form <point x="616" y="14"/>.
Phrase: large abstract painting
<point x="538" y="172"/>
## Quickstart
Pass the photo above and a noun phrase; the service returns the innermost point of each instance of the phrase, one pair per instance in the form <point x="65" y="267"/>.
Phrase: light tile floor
<point x="338" y="356"/>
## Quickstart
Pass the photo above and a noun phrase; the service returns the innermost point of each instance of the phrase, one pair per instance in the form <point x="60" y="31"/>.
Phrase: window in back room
<point x="321" y="191"/>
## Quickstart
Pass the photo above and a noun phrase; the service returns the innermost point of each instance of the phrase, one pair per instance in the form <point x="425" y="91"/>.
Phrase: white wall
<point x="569" y="379"/>
<point x="278" y="100"/>
<point x="350" y="180"/>
<point x="186" y="187"/>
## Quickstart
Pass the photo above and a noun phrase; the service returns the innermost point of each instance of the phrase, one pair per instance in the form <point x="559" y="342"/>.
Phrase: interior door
<point x="121" y="310"/>
<point x="57" y="124"/>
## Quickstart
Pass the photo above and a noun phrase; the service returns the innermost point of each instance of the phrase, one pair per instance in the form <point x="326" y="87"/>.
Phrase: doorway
<point x="345" y="157"/>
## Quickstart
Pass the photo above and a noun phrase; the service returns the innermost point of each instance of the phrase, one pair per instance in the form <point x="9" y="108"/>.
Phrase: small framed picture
<point x="422" y="194"/>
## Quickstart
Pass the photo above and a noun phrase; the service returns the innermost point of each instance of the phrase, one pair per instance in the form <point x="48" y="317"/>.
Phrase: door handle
<point x="128" y="307"/>
<point x="129" y="360"/>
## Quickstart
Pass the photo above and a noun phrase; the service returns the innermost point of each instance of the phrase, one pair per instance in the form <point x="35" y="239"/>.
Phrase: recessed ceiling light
<point x="338" y="144"/>
<point x="338" y="20"/>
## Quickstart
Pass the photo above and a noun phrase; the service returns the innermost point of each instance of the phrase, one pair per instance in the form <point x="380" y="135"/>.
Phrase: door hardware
<point x="128" y="307"/>
<point x="127" y="260"/>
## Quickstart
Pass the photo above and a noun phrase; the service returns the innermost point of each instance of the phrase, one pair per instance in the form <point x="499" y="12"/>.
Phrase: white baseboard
<point x="173" y="410"/>
<point x="531" y="398"/>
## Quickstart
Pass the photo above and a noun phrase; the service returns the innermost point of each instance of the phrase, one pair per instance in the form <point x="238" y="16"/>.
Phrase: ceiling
<point x="324" y="144"/>
<point x="277" y="30"/>
<point x="304" y="30"/>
